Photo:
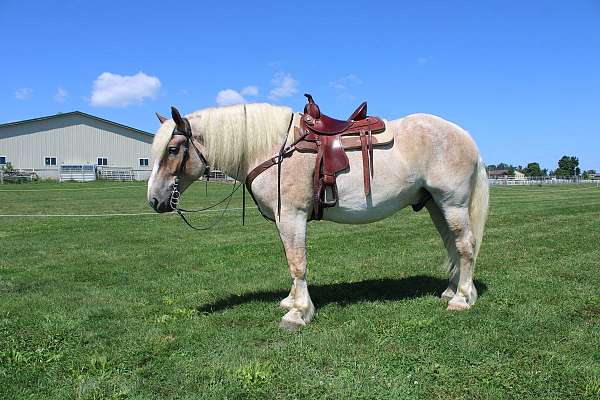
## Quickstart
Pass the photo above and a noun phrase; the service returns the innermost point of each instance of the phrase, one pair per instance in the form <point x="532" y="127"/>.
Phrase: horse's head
<point x="177" y="164"/>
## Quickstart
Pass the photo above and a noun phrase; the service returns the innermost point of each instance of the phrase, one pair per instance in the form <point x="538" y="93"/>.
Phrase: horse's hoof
<point x="309" y="314"/>
<point x="292" y="321"/>
<point x="287" y="303"/>
<point x="458" y="303"/>
<point x="448" y="294"/>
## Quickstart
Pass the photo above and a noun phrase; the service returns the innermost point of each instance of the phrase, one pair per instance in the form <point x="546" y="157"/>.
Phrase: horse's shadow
<point x="349" y="292"/>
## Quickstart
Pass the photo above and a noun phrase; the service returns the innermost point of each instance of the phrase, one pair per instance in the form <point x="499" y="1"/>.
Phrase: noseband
<point x="187" y="133"/>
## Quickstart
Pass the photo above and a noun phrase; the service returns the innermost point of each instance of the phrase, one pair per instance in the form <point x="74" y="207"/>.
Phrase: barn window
<point x="50" y="161"/>
<point x="2" y="160"/>
<point x="143" y="162"/>
<point x="102" y="161"/>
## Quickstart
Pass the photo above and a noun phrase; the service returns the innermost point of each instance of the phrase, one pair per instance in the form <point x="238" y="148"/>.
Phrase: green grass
<point x="142" y="307"/>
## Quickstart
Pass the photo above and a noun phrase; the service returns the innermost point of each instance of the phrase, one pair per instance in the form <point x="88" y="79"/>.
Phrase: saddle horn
<point x="311" y="108"/>
<point x="161" y="118"/>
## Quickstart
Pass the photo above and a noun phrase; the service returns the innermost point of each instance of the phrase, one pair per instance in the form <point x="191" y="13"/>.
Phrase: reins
<point x="176" y="194"/>
<point x="216" y="220"/>
<point x="284" y="152"/>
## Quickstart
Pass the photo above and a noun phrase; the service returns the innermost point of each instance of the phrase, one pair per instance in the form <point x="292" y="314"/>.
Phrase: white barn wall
<point x="74" y="138"/>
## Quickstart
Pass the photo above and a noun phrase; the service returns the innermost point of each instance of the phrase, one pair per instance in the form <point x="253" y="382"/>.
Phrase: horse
<point x="431" y="160"/>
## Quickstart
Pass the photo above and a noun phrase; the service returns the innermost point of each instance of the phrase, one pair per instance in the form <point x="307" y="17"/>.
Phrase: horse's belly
<point x="354" y="207"/>
<point x="393" y="187"/>
<point x="345" y="215"/>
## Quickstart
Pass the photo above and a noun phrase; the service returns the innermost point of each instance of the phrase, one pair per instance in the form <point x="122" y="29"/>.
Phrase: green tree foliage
<point x="8" y="168"/>
<point x="533" y="169"/>
<point x="568" y="166"/>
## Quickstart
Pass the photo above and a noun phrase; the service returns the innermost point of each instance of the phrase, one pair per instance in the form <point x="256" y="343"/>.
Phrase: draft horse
<point x="425" y="161"/>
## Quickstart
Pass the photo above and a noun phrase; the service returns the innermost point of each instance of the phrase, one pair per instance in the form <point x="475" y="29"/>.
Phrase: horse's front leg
<point x="292" y="230"/>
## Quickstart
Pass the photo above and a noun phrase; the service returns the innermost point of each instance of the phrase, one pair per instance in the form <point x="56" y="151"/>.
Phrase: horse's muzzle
<point x="160" y="207"/>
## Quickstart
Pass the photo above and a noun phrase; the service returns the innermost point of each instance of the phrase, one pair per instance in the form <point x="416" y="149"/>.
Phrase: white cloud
<point x="113" y="90"/>
<point x="249" y="91"/>
<point x="275" y="64"/>
<point x="346" y="82"/>
<point x="61" y="95"/>
<point x="284" y="86"/>
<point x="23" y="93"/>
<point x="228" y="97"/>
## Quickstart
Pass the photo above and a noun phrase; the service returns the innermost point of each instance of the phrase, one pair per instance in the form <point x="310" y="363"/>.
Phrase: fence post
<point x="1" y="176"/>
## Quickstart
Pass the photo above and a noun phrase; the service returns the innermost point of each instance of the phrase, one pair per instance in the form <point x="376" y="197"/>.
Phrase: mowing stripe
<point x="72" y="189"/>
<point x="108" y="215"/>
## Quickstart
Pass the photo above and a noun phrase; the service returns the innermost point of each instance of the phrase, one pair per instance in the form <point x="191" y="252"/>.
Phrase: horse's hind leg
<point x="452" y="261"/>
<point x="457" y="218"/>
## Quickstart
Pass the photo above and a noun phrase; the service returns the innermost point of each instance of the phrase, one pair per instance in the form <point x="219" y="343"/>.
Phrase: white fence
<point x="79" y="173"/>
<point x="115" y="174"/>
<point x="17" y="176"/>
<point x="216" y="175"/>
<point x="541" y="180"/>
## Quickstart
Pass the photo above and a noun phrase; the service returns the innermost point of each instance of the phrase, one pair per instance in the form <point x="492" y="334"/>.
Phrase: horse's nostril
<point x="155" y="203"/>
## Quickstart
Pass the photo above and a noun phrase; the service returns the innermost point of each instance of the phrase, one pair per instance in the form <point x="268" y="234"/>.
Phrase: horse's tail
<point x="478" y="207"/>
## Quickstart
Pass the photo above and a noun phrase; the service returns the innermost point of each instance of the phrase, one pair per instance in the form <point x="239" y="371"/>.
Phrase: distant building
<point x="519" y="175"/>
<point x="497" y="173"/>
<point x="75" y="139"/>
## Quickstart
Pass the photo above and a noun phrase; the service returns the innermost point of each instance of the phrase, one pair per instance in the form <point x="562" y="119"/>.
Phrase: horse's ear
<point x="177" y="118"/>
<point x="161" y="118"/>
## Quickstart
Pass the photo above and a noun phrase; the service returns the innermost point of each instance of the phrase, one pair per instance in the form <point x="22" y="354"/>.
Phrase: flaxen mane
<point x="232" y="135"/>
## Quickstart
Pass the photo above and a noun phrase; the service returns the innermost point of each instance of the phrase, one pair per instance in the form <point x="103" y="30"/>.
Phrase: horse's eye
<point x="173" y="150"/>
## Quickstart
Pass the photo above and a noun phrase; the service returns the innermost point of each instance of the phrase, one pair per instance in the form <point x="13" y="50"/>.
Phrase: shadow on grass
<point x="349" y="293"/>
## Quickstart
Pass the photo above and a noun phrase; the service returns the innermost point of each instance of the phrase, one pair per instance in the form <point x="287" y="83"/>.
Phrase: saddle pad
<point x="350" y="142"/>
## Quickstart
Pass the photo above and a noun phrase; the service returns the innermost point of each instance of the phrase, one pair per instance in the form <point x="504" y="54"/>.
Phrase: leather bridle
<point x="187" y="133"/>
<point x="176" y="194"/>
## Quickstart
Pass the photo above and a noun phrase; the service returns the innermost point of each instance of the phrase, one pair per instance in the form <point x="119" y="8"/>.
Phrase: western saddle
<point x="330" y="138"/>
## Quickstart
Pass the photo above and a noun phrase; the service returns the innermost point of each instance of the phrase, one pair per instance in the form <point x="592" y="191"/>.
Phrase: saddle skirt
<point x="330" y="139"/>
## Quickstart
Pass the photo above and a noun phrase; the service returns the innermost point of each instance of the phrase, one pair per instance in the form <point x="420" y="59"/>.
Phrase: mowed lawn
<point x="142" y="307"/>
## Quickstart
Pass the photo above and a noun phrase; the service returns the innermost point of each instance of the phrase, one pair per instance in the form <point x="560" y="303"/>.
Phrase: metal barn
<point x="58" y="142"/>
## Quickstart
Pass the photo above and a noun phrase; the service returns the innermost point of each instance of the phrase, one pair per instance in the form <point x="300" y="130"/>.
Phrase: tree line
<point x="567" y="166"/>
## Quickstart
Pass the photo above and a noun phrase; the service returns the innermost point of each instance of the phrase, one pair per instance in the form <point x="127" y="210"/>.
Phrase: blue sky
<point x="522" y="77"/>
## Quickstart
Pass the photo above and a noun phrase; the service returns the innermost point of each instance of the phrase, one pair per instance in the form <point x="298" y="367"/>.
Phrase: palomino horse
<point x="430" y="160"/>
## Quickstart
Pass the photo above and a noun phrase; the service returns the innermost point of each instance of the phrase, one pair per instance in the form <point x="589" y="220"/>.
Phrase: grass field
<point x="141" y="307"/>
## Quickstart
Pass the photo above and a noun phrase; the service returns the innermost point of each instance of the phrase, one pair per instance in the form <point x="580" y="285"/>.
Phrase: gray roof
<point x="80" y="113"/>
<point x="498" y="172"/>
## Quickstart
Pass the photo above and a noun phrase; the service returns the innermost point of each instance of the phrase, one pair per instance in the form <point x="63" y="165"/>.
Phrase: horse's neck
<point x="247" y="164"/>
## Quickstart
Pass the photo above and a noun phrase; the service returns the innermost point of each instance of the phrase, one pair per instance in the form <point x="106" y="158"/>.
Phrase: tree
<point x="533" y="169"/>
<point x="588" y="174"/>
<point x="568" y="166"/>
<point x="8" y="168"/>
